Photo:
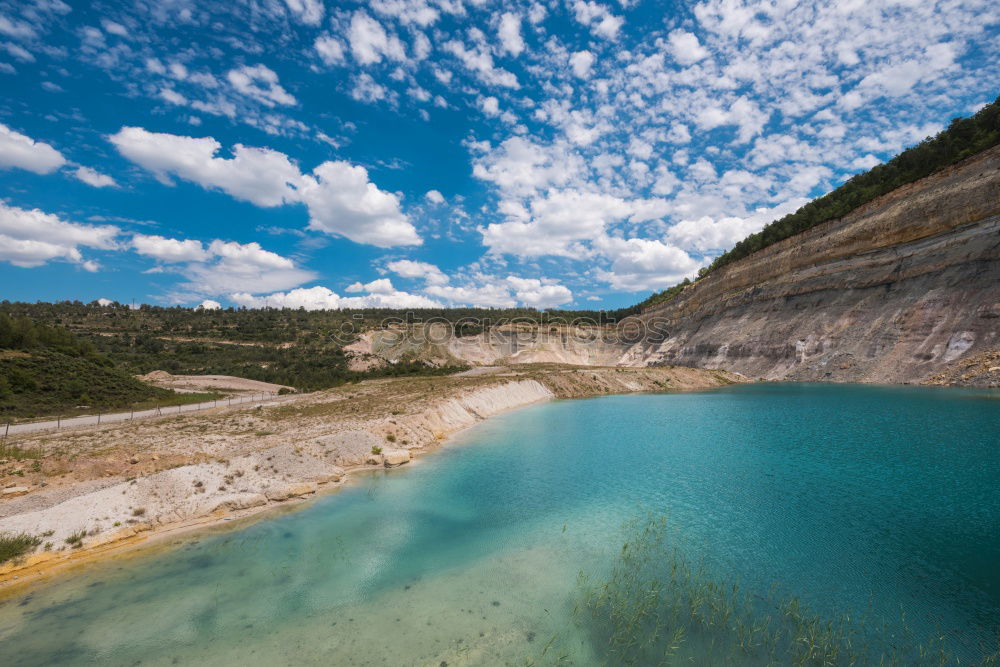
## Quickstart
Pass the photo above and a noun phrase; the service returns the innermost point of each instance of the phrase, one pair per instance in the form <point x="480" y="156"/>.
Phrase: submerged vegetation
<point x="655" y="608"/>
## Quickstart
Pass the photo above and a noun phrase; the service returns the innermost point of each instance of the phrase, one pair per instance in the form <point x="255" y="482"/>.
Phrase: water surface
<point x="855" y="499"/>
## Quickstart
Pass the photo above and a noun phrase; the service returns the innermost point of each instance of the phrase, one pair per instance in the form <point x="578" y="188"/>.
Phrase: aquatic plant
<point x="16" y="545"/>
<point x="655" y="608"/>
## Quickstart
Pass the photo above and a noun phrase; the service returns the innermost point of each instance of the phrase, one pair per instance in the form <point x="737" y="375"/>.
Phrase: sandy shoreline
<point x="229" y="466"/>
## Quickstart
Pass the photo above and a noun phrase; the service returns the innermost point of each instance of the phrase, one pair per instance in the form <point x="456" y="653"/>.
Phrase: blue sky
<point x="408" y="153"/>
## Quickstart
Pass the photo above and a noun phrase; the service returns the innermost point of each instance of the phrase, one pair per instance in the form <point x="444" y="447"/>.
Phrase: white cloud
<point x="479" y="61"/>
<point x="409" y="269"/>
<point x="18" y="150"/>
<point x="711" y="235"/>
<point x="209" y="304"/>
<point x="370" y="42"/>
<point x="510" y="33"/>
<point x="562" y="221"/>
<point x="434" y="197"/>
<point x="330" y="49"/>
<point x="380" y="286"/>
<point x="30" y="238"/>
<point x="260" y="83"/>
<point x="170" y="250"/>
<point x="94" y="178"/>
<point x="366" y="89"/>
<point x="644" y="264"/>
<point x="536" y="294"/>
<point x="685" y="47"/>
<point x="113" y="28"/>
<point x="417" y="12"/>
<point x="582" y="62"/>
<point x="495" y="295"/>
<point x="601" y="21"/>
<point x="341" y="200"/>
<point x="242" y="266"/>
<point x="520" y="166"/>
<point x="309" y="12"/>
<point x="257" y="175"/>
<point x="323" y="298"/>
<point x="490" y="106"/>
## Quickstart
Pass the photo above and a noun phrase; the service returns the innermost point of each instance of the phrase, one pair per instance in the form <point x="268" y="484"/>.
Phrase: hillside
<point x="47" y="371"/>
<point x="899" y="290"/>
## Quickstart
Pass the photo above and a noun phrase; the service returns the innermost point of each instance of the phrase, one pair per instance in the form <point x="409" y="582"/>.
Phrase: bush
<point x="16" y="545"/>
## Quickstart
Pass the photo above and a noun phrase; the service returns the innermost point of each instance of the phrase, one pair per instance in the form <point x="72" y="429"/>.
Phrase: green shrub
<point x="16" y="545"/>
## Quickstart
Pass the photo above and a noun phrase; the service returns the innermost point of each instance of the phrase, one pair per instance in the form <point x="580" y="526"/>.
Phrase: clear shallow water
<point x="854" y="499"/>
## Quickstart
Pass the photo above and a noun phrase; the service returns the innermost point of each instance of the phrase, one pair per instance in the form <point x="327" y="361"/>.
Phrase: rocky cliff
<point x="899" y="290"/>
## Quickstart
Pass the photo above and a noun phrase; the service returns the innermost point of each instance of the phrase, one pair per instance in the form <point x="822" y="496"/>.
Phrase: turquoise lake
<point x="876" y="502"/>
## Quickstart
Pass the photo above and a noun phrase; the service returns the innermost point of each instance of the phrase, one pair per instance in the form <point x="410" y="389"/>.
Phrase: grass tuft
<point x="17" y="545"/>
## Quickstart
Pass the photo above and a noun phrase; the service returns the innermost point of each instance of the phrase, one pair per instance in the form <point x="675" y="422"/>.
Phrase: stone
<point x="395" y="457"/>
<point x="292" y="491"/>
<point x="331" y="475"/>
<point x="15" y="491"/>
<point x="240" y="502"/>
<point x="374" y="459"/>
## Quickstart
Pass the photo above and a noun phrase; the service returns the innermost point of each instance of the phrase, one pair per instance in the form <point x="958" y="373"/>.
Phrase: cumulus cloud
<point x="31" y="237"/>
<point x="323" y="298"/>
<point x="94" y="178"/>
<point x="340" y="198"/>
<point x="260" y="83"/>
<point x="369" y="41"/>
<point x="434" y="197"/>
<point x="479" y="61"/>
<point x="169" y="250"/>
<point x="715" y="235"/>
<point x="209" y="304"/>
<point x="495" y="295"/>
<point x="330" y="49"/>
<point x="510" y="33"/>
<point x="22" y="152"/>
<point x="561" y="221"/>
<point x="342" y="201"/>
<point x="409" y="269"/>
<point x="582" y="62"/>
<point x="309" y="12"/>
<point x="600" y="20"/>
<point x="535" y="293"/>
<point x="644" y="264"/>
<point x="685" y="47"/>
<point x="222" y="267"/>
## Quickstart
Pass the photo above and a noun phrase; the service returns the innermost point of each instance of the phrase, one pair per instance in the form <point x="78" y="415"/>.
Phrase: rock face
<point x="897" y="291"/>
<point x="395" y="457"/>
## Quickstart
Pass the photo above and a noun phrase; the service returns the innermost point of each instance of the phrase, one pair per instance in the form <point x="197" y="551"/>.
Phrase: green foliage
<point x="376" y="450"/>
<point x="16" y="545"/>
<point x="48" y="382"/>
<point x="76" y="539"/>
<point x="26" y="335"/>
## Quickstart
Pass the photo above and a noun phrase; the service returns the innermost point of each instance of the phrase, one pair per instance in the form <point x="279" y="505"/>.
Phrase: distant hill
<point x="47" y="370"/>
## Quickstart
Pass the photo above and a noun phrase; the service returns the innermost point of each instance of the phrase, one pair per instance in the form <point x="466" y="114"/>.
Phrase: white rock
<point x="395" y="457"/>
